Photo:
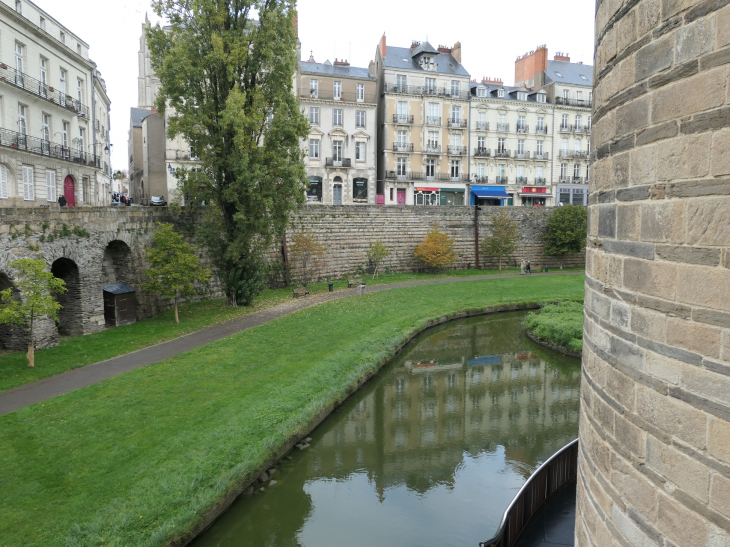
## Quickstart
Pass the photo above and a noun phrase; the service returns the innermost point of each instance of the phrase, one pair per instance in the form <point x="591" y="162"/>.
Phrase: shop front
<point x="424" y="195"/>
<point x="494" y="196"/>
<point x="573" y="195"/>
<point x="535" y="196"/>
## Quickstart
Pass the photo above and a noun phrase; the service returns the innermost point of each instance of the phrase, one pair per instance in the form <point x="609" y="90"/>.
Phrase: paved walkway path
<point x="554" y="524"/>
<point x="53" y="386"/>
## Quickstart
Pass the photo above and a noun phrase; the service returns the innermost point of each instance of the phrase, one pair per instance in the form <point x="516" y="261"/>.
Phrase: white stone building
<point x="54" y="113"/>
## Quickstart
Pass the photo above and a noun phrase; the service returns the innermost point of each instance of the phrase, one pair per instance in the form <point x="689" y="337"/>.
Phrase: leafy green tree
<point x="227" y="81"/>
<point x="567" y="231"/>
<point x="436" y="250"/>
<point x="377" y="252"/>
<point x="36" y="288"/>
<point x="308" y="256"/>
<point x="504" y="238"/>
<point x="174" y="266"/>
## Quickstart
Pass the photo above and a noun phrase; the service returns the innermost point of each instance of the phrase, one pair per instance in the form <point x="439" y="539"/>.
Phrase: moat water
<point x="429" y="452"/>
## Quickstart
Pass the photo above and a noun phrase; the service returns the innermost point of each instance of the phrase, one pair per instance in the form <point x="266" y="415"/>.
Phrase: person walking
<point x="61" y="201"/>
<point x="529" y="268"/>
<point x="522" y="267"/>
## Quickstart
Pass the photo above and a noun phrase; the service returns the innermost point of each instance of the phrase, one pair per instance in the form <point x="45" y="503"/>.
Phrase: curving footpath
<point x="53" y="386"/>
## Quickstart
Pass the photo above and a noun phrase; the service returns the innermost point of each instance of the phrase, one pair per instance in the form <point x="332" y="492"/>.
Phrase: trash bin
<point x="332" y="287"/>
<point x="546" y="269"/>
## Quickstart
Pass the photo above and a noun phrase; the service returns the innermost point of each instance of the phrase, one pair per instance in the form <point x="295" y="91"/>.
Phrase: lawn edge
<point x="210" y="516"/>
<point x="552" y="346"/>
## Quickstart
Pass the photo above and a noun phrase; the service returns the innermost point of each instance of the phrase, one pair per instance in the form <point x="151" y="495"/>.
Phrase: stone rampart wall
<point x="654" y="464"/>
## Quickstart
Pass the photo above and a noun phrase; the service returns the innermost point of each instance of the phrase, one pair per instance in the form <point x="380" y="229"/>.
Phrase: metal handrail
<point x="39" y="89"/>
<point x="557" y="471"/>
<point x="26" y="143"/>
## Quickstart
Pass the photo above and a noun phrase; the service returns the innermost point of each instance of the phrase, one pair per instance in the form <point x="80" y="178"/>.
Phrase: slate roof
<point x="510" y="93"/>
<point x="118" y="288"/>
<point x="571" y="73"/>
<point x="332" y="70"/>
<point x="425" y="47"/>
<point x="445" y="62"/>
<point x="139" y="114"/>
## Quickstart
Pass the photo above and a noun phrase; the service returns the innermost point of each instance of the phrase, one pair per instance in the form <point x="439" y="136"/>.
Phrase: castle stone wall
<point x="654" y="464"/>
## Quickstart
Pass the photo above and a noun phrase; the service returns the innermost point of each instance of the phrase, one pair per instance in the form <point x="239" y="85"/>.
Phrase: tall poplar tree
<point x="227" y="71"/>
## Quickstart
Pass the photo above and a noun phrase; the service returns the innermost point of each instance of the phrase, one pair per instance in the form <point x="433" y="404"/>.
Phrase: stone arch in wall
<point x="70" y="317"/>
<point x="117" y="264"/>
<point x="12" y="337"/>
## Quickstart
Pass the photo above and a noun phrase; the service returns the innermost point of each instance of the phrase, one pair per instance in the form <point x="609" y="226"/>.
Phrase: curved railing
<point x="560" y="469"/>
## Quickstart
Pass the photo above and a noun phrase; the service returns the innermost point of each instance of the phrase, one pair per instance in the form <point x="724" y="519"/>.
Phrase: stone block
<point x="705" y="256"/>
<point x="654" y="57"/>
<point x="726" y="258"/>
<point x="707" y="287"/>
<point x="690" y="475"/>
<point x="629" y="436"/>
<point x="722" y="30"/>
<point x="673" y="7"/>
<point x="630" y="248"/>
<point x="708" y="221"/>
<point x="672" y="416"/>
<point x="619" y="387"/>
<point x="649" y="277"/>
<point x="636" y="489"/>
<point x="664" y="368"/>
<point x="720" y="495"/>
<point x="608" y="269"/>
<point x="725" y="345"/>
<point x="628" y="222"/>
<point x="626" y="31"/>
<point x="628" y="530"/>
<point x="685" y="157"/>
<point x="643" y="162"/>
<point x="649" y="324"/>
<point x="694" y="39"/>
<point x="708" y="384"/>
<point x="693" y="336"/>
<point x="718" y="440"/>
<point x="648" y="15"/>
<point x="664" y="221"/>
<point x="603" y="414"/>
<point x="681" y="98"/>
<point x="679" y="524"/>
<point x="620" y="314"/>
<point x="620" y="170"/>
<point x="632" y="116"/>
<point x="604" y="129"/>
<point x="607" y="221"/>
<point x="721" y="153"/>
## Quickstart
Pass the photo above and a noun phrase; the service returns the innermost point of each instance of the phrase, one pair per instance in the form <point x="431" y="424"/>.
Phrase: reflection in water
<point x="430" y="452"/>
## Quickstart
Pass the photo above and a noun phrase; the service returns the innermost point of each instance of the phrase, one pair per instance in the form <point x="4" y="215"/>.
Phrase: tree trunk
<point x="231" y="299"/>
<point x="31" y="355"/>
<point x="177" y="318"/>
<point x="500" y="264"/>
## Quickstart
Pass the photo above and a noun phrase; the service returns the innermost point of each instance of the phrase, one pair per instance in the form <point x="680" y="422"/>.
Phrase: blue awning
<point x="490" y="193"/>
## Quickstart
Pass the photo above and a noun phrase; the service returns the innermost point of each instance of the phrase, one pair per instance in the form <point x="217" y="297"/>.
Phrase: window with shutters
<point x="50" y="185"/>
<point x="28" y="184"/>
<point x="85" y="188"/>
<point x="3" y="182"/>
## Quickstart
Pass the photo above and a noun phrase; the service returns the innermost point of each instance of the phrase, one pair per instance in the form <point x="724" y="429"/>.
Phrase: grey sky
<point x="492" y="34"/>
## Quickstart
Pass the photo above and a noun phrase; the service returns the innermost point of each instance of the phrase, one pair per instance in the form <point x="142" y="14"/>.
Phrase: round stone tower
<point x="654" y="464"/>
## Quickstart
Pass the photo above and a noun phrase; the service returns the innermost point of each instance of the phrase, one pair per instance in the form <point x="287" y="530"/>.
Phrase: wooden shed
<point x="120" y="305"/>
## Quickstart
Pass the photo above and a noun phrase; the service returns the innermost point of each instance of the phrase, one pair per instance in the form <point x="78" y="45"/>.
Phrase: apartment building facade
<point x="423" y="114"/>
<point x="340" y="102"/>
<point x="54" y="113"/>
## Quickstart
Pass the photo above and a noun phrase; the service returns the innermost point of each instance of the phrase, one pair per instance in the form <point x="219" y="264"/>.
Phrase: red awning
<point x="424" y="189"/>
<point x="534" y="190"/>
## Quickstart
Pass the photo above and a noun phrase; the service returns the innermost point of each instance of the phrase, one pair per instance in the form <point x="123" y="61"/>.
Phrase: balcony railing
<point x="456" y="122"/>
<point x="44" y="91"/>
<point x="575" y="180"/>
<point x="341" y="162"/>
<point x="524" y="155"/>
<point x="42" y="147"/>
<point x="426" y="90"/>
<point x="573" y="102"/>
<point x="415" y="175"/>
<point x="329" y="95"/>
<point x="481" y="179"/>
<point x="576" y="154"/>
<point x="482" y="152"/>
<point x="542" y="130"/>
<point x="433" y="120"/>
<point x="501" y="180"/>
<point x="501" y="153"/>
<point x="521" y="180"/>
<point x="432" y="148"/>
<point x="522" y="128"/>
<point x="502" y="127"/>
<point x="540" y="181"/>
<point x="182" y="155"/>
<point x="456" y="150"/>
<point x="482" y="126"/>
<point x="402" y="147"/>
<point x="565" y="128"/>
<point x="583" y="129"/>
<point x="544" y="156"/>
<point x="402" y="118"/>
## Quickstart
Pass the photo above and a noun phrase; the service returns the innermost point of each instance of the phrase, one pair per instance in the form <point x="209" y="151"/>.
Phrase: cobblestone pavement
<point x="53" y="386"/>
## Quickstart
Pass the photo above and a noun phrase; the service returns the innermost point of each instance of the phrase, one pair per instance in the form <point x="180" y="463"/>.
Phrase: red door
<point x="69" y="192"/>
<point x="401" y="197"/>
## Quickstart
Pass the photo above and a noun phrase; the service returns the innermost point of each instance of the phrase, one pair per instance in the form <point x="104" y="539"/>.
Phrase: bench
<point x="354" y="282"/>
<point x="300" y="291"/>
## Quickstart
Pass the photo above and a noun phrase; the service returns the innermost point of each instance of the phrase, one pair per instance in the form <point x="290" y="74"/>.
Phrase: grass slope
<point x="138" y="459"/>
<point x="77" y="352"/>
<point x="560" y="324"/>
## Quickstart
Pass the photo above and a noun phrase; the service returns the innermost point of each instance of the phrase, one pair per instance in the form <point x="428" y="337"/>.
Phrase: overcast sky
<point x="492" y="34"/>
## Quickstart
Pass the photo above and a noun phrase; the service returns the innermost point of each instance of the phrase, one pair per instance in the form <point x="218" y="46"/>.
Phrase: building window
<point x="433" y="140"/>
<point x="51" y="186"/>
<point x="501" y="143"/>
<point x="18" y="6"/>
<point x="521" y="96"/>
<point x="431" y="85"/>
<point x="578" y="122"/>
<point x="430" y="168"/>
<point x="3" y="182"/>
<point x="360" y="118"/>
<point x="19" y="64"/>
<point x="454" y="88"/>
<point x="588" y="173"/>
<point x="590" y="122"/>
<point x="337" y="116"/>
<point x="566" y="94"/>
<point x="401" y="82"/>
<point x="455" y="168"/>
<point x="21" y="119"/>
<point x="520" y="123"/>
<point x="28" y="184"/>
<point x="80" y="90"/>
<point x="521" y="146"/>
<point x="590" y="96"/>
<point x="402" y="109"/>
<point x="538" y="174"/>
<point x="313" y="89"/>
<point x="541" y="124"/>
<point x="337" y="150"/>
<point x="359" y="151"/>
<point x="521" y="174"/>
<point x="45" y="127"/>
<point x="501" y="171"/>
<point x="565" y="196"/>
<point x="541" y="97"/>
<point x="564" y="145"/>
<point x="360" y="190"/>
<point x="314" y="148"/>
<point x="480" y="170"/>
<point x="579" y="95"/>
<point x="500" y="93"/>
<point x="43" y="87"/>
<point x="576" y="171"/>
<point x="539" y="148"/>
<point x="314" y="193"/>
<point x="456" y="114"/>
<point x="78" y="49"/>
<point x="314" y="115"/>
<point x="360" y="93"/>
<point x="63" y="37"/>
<point x="481" y="91"/>
<point x="337" y="91"/>
<point x="481" y="143"/>
<point x="400" y="167"/>
<point x="564" y="124"/>
<point x="563" y="172"/>
<point x="64" y="134"/>
<point x="63" y="88"/>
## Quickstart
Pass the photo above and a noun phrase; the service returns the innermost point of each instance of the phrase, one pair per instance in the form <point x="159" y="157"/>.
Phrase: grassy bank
<point x="559" y="324"/>
<point x="77" y="352"/>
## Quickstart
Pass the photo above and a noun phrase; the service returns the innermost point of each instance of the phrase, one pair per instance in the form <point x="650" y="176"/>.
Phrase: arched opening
<point x="70" y="321"/>
<point x="12" y="337"/>
<point x="69" y="191"/>
<point x="337" y="191"/>
<point x="116" y="265"/>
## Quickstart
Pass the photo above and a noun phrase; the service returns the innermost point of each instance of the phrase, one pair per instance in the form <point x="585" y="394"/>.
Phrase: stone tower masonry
<point x="654" y="464"/>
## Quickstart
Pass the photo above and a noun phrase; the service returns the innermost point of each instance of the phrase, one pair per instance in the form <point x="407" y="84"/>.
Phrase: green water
<point x="429" y="453"/>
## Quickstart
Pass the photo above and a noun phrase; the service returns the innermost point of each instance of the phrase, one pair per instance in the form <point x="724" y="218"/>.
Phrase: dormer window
<point x="558" y="75"/>
<point x="500" y="93"/>
<point x="481" y="91"/>
<point x="541" y="97"/>
<point x="521" y="96"/>
<point x="18" y="6"/>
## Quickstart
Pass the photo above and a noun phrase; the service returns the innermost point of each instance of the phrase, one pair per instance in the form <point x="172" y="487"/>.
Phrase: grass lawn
<point x="560" y="324"/>
<point x="137" y="459"/>
<point x="80" y="351"/>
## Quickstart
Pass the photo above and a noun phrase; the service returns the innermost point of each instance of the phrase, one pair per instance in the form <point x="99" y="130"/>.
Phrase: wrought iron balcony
<point x="575" y="180"/>
<point x="522" y="128"/>
<point x="461" y="177"/>
<point x="405" y="89"/>
<point x="521" y="180"/>
<point x="501" y="153"/>
<point x="432" y="148"/>
<point x="482" y="152"/>
<point x="502" y="127"/>
<point x="42" y="147"/>
<point x="433" y="120"/>
<point x="586" y="130"/>
<point x="454" y="150"/>
<point x="340" y="162"/>
<point x="542" y="130"/>
<point x="426" y="90"/>
<point x="540" y="181"/>
<point x="501" y="180"/>
<point x="575" y="154"/>
<point x="44" y="91"/>
<point x="395" y="175"/>
<point x="573" y="102"/>
<point x="402" y="118"/>
<point x="402" y="147"/>
<point x="482" y="179"/>
<point x="524" y="155"/>
<point x="482" y="126"/>
<point x="456" y="122"/>
<point x="544" y="156"/>
<point x="565" y="128"/>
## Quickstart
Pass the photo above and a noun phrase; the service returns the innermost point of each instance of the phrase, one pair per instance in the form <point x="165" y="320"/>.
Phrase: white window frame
<point x="314" y="115"/>
<point x="337" y="91"/>
<point x="430" y="167"/>
<point x="500" y="93"/>
<point x="541" y="97"/>
<point x="314" y="149"/>
<point x="19" y="6"/>
<point x="313" y="88"/>
<point x="521" y="96"/>
<point x="46" y="127"/>
<point x="360" y="118"/>
<point x="22" y="121"/>
<point x="455" y="169"/>
<point x="80" y="90"/>
<point x="28" y="183"/>
<point x="4" y="182"/>
<point x="520" y="146"/>
<point x="401" y="136"/>
<point x="566" y="93"/>
<point x="481" y="91"/>
<point x="539" y="148"/>
<point x="50" y="186"/>
<point x="576" y="170"/>
<point x="401" y="81"/>
<point x="401" y="166"/>
<point x="481" y="169"/>
<point x="337" y="147"/>
<point x="455" y="113"/>
<point x="63" y="87"/>
<point x="43" y="74"/>
<point x="455" y="88"/>
<point x="42" y="23"/>
<point x="360" y="151"/>
<point x="360" y="93"/>
<point x="337" y="117"/>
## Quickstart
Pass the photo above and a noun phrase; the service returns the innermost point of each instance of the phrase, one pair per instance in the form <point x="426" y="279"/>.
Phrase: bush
<point x="436" y="250"/>
<point x="560" y="324"/>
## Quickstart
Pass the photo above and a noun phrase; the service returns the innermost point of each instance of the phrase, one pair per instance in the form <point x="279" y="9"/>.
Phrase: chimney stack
<point x="456" y="52"/>
<point x="382" y="46"/>
<point x="562" y="57"/>
<point x="343" y="62"/>
<point x="530" y="64"/>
